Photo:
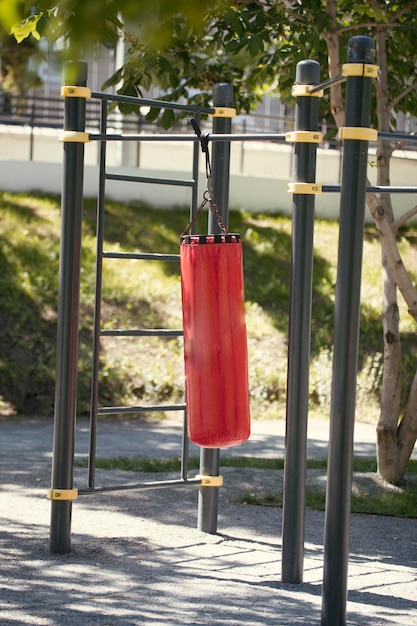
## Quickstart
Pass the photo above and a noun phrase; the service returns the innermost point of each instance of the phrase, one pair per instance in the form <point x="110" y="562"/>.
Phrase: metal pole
<point x="195" y="173"/>
<point x="222" y="97"/>
<point x="306" y="119"/>
<point x="97" y="299"/>
<point x="67" y="332"/>
<point x="346" y="336"/>
<point x="32" y="132"/>
<point x="210" y="458"/>
<point x="185" y="450"/>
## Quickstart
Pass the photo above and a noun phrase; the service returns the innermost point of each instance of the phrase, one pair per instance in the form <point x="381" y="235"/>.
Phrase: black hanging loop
<point x="204" y="143"/>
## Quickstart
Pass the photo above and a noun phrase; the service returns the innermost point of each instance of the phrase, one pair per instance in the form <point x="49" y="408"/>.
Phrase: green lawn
<point x="143" y="294"/>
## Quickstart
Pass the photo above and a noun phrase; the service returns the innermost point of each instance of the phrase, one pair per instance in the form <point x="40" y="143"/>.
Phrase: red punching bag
<point x="215" y="346"/>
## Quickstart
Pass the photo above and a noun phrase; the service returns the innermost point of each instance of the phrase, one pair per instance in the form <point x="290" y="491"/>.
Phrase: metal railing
<point x="48" y="112"/>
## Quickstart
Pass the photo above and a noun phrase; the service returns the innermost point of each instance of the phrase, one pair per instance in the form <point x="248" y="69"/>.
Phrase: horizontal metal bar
<point x="327" y="83"/>
<point x="387" y="189"/>
<point x="143" y="332"/>
<point x="142" y="256"/>
<point x="250" y="137"/>
<point x="153" y="103"/>
<point x="157" y="484"/>
<point x="114" y="410"/>
<point x="399" y="136"/>
<point x="26" y="121"/>
<point x="330" y="188"/>
<point x="372" y="188"/>
<point x="186" y="137"/>
<point x="151" y="180"/>
<point x="140" y="137"/>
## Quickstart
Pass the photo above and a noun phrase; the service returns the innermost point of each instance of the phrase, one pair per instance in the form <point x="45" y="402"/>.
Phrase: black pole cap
<point x="75" y="73"/>
<point x="223" y="95"/>
<point x="361" y="49"/>
<point x="307" y="72"/>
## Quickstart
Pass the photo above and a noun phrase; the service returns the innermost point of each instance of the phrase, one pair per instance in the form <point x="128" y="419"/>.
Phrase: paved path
<point x="33" y="439"/>
<point x="138" y="559"/>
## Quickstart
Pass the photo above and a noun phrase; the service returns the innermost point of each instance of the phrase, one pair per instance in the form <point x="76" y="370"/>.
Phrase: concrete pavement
<point x="138" y="559"/>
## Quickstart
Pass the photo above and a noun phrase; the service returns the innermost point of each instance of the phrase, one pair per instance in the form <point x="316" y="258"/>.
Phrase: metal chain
<point x="208" y="194"/>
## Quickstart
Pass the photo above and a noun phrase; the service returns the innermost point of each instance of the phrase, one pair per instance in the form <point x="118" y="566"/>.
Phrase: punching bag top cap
<point x="361" y="49"/>
<point x="202" y="239"/>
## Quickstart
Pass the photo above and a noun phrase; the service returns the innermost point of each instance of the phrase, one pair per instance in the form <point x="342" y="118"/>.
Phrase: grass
<point x="141" y="294"/>
<point x="144" y="464"/>
<point x="399" y="502"/>
<point x="402" y="503"/>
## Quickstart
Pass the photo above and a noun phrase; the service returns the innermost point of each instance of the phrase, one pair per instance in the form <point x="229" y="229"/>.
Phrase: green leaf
<point x="255" y="45"/>
<point x="233" y="46"/>
<point x="126" y="107"/>
<point x="114" y="79"/>
<point x="167" y="119"/>
<point x="150" y="64"/>
<point x="27" y="27"/>
<point x="153" y="114"/>
<point x="229" y="16"/>
<point x="168" y="70"/>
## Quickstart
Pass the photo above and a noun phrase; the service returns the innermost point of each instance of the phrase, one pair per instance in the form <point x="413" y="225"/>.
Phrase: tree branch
<point x="332" y="42"/>
<point x="346" y="29"/>
<point x="407" y="430"/>
<point x="404" y="218"/>
<point x="402" y="95"/>
<point x="387" y="235"/>
<point x="400" y="13"/>
<point x="392" y="21"/>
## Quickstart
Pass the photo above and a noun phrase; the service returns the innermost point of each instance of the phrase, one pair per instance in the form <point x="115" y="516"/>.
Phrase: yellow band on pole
<point x="357" y="132"/>
<point x="210" y="481"/>
<point x="75" y="92"/>
<point x="62" y="494"/>
<point x="304" y="188"/>
<point x="360" y="69"/>
<point x="74" y="136"/>
<point x="223" y="112"/>
<point x="303" y="90"/>
<point x="304" y="136"/>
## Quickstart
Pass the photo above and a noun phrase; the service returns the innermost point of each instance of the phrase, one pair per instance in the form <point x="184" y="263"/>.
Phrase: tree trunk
<point x="332" y="41"/>
<point x="395" y="438"/>
<point x="387" y="450"/>
<point x="392" y="442"/>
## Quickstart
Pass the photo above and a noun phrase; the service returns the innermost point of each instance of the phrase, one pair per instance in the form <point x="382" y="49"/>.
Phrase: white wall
<point x="260" y="172"/>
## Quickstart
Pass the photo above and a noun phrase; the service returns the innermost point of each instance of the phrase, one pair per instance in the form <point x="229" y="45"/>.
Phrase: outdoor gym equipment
<point x="358" y="73"/>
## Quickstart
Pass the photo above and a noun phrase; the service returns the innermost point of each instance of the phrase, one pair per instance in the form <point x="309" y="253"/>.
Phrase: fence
<point x="48" y="112"/>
